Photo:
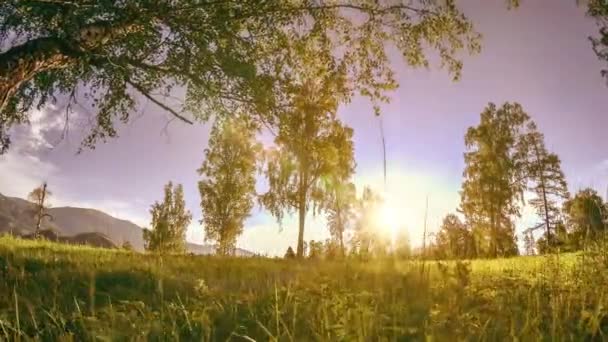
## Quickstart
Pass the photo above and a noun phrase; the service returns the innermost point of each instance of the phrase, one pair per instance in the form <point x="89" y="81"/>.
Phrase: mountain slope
<point x="71" y="221"/>
<point x="17" y="217"/>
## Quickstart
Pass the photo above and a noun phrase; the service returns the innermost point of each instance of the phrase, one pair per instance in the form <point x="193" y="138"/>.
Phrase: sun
<point x="388" y="219"/>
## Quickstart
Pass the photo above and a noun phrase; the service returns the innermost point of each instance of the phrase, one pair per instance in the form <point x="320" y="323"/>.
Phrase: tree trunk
<point x="543" y="187"/>
<point x="340" y="227"/>
<point x="493" y="236"/>
<point x="342" y="242"/>
<point x="302" y="219"/>
<point x="21" y="63"/>
<point x="40" y="211"/>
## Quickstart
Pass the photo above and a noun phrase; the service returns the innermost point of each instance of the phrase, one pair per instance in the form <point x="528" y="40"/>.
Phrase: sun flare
<point x="388" y="219"/>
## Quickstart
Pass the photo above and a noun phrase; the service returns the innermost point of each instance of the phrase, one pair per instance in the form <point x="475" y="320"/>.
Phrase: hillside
<point x="17" y="217"/>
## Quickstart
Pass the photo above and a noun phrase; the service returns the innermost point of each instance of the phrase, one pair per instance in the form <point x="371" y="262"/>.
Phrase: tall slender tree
<point x="170" y="219"/>
<point x="547" y="180"/>
<point x="495" y="178"/>
<point x="228" y="188"/>
<point x="226" y="55"/>
<point x="340" y="210"/>
<point x="312" y="146"/>
<point x="40" y="197"/>
<point x="368" y="241"/>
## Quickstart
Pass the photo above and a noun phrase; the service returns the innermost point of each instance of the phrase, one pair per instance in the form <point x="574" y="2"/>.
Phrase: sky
<point x="538" y="55"/>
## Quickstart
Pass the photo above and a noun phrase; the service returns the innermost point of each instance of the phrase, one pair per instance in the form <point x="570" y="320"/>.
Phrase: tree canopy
<point x="495" y="178"/>
<point x="314" y="152"/>
<point x="547" y="180"/>
<point x="598" y="9"/>
<point x="223" y="57"/>
<point x="228" y="187"/>
<point x="454" y="239"/>
<point x="586" y="216"/>
<point x="340" y="210"/>
<point x="170" y="219"/>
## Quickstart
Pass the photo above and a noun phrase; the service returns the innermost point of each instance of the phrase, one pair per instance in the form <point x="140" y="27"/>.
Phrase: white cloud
<point x="20" y="173"/>
<point x="22" y="168"/>
<point x="41" y="122"/>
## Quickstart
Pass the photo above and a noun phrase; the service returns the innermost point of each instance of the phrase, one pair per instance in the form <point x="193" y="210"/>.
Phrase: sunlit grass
<point x="50" y="292"/>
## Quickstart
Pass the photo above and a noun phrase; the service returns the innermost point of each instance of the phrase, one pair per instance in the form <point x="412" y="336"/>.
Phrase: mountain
<point x="17" y="217"/>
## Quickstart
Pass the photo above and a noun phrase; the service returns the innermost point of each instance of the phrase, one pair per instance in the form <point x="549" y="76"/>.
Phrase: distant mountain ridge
<point x="17" y="217"/>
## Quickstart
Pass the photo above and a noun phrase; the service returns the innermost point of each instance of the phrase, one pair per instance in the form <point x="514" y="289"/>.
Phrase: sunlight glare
<point x="388" y="219"/>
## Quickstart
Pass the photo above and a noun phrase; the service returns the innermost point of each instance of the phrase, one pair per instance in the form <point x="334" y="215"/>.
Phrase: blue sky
<point x="538" y="56"/>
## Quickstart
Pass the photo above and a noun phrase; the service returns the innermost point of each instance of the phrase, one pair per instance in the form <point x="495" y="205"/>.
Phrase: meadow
<point x="58" y="292"/>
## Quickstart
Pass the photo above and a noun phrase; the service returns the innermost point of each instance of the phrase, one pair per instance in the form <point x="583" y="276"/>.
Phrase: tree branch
<point x="60" y="3"/>
<point x="146" y="94"/>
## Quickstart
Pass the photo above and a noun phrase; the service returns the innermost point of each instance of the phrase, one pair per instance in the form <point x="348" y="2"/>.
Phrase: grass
<point x="54" y="292"/>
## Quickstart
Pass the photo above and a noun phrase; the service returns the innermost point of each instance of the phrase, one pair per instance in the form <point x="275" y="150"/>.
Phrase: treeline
<point x="506" y="162"/>
<point x="310" y="169"/>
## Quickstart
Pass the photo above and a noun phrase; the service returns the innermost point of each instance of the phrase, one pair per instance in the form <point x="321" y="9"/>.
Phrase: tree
<point x="290" y="254"/>
<point x="368" y="241"/>
<point x="495" y="178"/>
<point x="548" y="180"/>
<point x="170" y="219"/>
<point x="332" y="250"/>
<point x="313" y="148"/>
<point x="529" y="244"/>
<point x="315" y="250"/>
<point x="598" y="9"/>
<point x="228" y="56"/>
<point x="561" y="240"/>
<point x="586" y="214"/>
<point x="340" y="210"/>
<point x="40" y="197"/>
<point x="454" y="240"/>
<point x="228" y="188"/>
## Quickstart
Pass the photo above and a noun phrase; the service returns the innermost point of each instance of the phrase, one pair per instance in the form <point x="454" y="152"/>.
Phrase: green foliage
<point x="598" y="9"/>
<point x="229" y="56"/>
<point x="561" y="241"/>
<point x="506" y="155"/>
<point x="314" y="150"/>
<point x="53" y="292"/>
<point x="228" y="188"/>
<point x="586" y="216"/>
<point x="454" y="240"/>
<point x="170" y="219"/>
<point x="495" y="178"/>
<point x="340" y="210"/>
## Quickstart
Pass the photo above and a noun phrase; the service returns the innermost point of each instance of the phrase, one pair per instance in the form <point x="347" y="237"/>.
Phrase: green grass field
<point x="54" y="292"/>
